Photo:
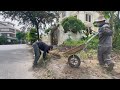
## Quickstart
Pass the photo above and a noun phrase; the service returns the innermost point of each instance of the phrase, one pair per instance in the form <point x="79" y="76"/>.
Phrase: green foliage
<point x="32" y="35"/>
<point x="107" y="14"/>
<point x="20" y="35"/>
<point x="91" y="45"/>
<point x="70" y="42"/>
<point x="48" y="30"/>
<point x="116" y="39"/>
<point x="3" y="40"/>
<point x="95" y="24"/>
<point x="72" y="24"/>
<point x="27" y="36"/>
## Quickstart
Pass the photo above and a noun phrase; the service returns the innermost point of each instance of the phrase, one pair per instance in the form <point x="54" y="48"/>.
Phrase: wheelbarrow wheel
<point x="74" y="61"/>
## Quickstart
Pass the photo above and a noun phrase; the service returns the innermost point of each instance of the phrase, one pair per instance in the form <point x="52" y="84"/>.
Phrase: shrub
<point x="72" y="24"/>
<point x="91" y="45"/>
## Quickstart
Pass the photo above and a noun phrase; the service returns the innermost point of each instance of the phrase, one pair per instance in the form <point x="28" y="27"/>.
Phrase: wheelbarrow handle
<point x="91" y="38"/>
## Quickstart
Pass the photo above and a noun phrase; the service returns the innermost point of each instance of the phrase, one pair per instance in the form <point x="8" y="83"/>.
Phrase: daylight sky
<point x="14" y="22"/>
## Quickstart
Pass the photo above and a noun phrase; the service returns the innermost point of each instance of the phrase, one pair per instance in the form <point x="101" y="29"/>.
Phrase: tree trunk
<point x="37" y="32"/>
<point x="111" y="20"/>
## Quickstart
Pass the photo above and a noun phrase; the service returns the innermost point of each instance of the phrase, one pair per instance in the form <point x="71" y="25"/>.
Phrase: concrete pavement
<point x="16" y="62"/>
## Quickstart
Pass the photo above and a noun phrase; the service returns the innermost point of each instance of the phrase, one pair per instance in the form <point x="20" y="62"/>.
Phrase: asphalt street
<point x="16" y="62"/>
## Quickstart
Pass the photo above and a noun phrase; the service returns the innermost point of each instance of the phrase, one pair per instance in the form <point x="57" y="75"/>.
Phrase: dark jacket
<point x="105" y="35"/>
<point x="44" y="47"/>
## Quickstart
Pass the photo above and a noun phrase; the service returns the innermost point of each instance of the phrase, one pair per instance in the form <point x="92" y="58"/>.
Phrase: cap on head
<point x="100" y="18"/>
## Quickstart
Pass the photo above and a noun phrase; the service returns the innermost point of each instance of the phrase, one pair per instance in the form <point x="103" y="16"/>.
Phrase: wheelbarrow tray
<point x="77" y="49"/>
<point x="74" y="50"/>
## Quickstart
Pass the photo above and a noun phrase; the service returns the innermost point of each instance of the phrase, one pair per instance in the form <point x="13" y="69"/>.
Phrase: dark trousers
<point x="104" y="55"/>
<point x="37" y="53"/>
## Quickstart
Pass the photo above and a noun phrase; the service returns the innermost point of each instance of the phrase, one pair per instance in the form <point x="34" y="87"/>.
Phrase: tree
<point x="31" y="35"/>
<point x="111" y="15"/>
<point x="72" y="24"/>
<point x="3" y="40"/>
<point x="39" y="19"/>
<point x="20" y="36"/>
<point x="27" y="36"/>
<point x="116" y="39"/>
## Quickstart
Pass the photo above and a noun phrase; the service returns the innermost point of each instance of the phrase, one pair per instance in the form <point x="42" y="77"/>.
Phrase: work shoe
<point x="34" y="65"/>
<point x="101" y="64"/>
<point x="110" y="66"/>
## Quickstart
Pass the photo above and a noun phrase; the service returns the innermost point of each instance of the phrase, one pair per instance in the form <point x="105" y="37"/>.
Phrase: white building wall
<point x="94" y="16"/>
<point x="81" y="16"/>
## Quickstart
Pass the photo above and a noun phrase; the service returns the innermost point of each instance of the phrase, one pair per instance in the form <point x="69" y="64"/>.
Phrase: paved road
<point x="16" y="62"/>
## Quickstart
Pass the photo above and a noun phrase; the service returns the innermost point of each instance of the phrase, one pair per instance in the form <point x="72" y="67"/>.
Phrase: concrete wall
<point x="64" y="36"/>
<point x="46" y="39"/>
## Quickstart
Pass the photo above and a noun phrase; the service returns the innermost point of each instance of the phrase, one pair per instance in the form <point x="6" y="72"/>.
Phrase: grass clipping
<point x="55" y="54"/>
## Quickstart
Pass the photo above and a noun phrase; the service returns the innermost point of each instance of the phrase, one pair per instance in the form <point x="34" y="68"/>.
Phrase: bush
<point x="116" y="42"/>
<point x="3" y="40"/>
<point x="31" y="36"/>
<point x="71" y="42"/>
<point x="72" y="24"/>
<point x="95" y="24"/>
<point x="91" y="45"/>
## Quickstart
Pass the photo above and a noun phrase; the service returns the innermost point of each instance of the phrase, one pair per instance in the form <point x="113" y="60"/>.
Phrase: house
<point x="87" y="17"/>
<point x="7" y="29"/>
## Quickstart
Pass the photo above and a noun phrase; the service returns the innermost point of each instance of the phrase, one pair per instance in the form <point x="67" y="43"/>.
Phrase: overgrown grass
<point x="73" y="42"/>
<point x="91" y="45"/>
<point x="89" y="53"/>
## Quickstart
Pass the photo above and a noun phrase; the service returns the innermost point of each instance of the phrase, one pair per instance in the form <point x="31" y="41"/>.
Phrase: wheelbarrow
<point x="73" y="59"/>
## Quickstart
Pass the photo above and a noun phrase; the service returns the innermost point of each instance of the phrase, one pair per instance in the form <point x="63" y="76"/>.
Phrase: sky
<point x="14" y="22"/>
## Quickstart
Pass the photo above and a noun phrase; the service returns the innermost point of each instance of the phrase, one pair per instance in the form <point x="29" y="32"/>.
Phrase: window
<point x="88" y="17"/>
<point x="12" y="30"/>
<point x="8" y="35"/>
<point x="4" y="34"/>
<point x="63" y="13"/>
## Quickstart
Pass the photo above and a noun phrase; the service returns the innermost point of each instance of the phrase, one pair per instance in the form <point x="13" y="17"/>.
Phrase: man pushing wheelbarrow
<point x="104" y="46"/>
<point x="105" y="43"/>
